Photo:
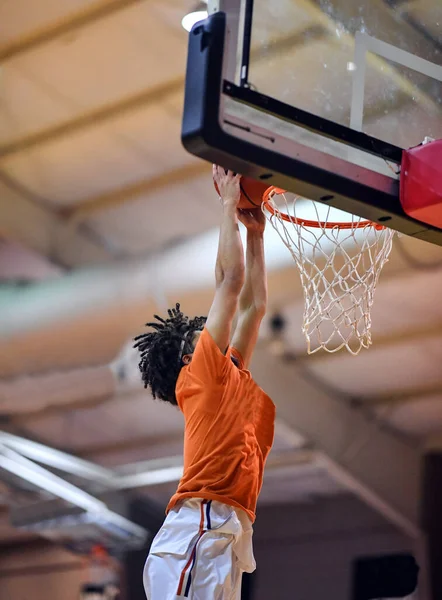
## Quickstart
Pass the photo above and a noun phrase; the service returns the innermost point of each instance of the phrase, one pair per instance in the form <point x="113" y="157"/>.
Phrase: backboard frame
<point x="228" y="123"/>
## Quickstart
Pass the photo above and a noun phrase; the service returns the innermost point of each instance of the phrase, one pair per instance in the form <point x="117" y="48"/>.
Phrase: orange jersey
<point x="229" y="429"/>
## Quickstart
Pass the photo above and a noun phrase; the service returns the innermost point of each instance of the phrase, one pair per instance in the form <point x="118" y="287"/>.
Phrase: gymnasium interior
<point x="105" y="219"/>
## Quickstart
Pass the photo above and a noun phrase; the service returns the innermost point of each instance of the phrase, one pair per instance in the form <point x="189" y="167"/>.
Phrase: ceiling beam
<point x="106" y="112"/>
<point x="399" y="397"/>
<point x="169" y="469"/>
<point x="138" y="474"/>
<point x="148" y="442"/>
<point x="56" y="459"/>
<point x="141" y="99"/>
<point x="15" y="454"/>
<point x="85" y="16"/>
<point x="325" y="27"/>
<point x="25" y="469"/>
<point x="43" y="395"/>
<point x="434" y="442"/>
<point x="408" y="335"/>
<point x="395" y="338"/>
<point x="38" y="228"/>
<point x="56" y="409"/>
<point x="121" y="196"/>
<point x="19" y="466"/>
<point x="380" y="468"/>
<point x="90" y="400"/>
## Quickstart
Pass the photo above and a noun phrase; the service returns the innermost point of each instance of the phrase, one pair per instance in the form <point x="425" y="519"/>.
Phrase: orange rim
<point x="271" y="191"/>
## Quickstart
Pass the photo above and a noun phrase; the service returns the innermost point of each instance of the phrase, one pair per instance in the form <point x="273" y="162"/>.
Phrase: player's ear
<point x="187" y="358"/>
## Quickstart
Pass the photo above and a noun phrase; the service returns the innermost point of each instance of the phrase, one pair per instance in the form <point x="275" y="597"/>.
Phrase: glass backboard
<point x="372" y="65"/>
<point x="318" y="97"/>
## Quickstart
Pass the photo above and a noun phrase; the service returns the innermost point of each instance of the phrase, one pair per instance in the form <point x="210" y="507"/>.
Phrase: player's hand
<point x="254" y="220"/>
<point x="228" y="185"/>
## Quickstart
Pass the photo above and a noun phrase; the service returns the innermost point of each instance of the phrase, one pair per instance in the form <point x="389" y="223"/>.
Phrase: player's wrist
<point x="230" y="205"/>
<point x="256" y="232"/>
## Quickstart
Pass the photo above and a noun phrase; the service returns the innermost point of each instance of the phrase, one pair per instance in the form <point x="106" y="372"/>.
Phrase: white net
<point x="339" y="267"/>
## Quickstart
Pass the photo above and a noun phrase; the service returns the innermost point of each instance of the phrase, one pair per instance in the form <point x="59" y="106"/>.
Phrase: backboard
<point x="318" y="97"/>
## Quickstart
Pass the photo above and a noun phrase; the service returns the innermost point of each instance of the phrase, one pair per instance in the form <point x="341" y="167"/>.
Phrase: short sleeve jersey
<point x="229" y="428"/>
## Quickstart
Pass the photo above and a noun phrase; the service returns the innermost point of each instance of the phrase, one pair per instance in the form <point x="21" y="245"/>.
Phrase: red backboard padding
<point x="421" y="183"/>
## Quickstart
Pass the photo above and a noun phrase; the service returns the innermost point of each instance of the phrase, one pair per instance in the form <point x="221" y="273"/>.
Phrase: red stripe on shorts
<point x="189" y="562"/>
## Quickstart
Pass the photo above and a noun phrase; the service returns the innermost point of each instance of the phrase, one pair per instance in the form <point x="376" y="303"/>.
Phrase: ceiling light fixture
<point x="199" y="13"/>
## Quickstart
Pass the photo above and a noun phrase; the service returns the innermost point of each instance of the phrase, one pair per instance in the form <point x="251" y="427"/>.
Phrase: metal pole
<point x="246" y="44"/>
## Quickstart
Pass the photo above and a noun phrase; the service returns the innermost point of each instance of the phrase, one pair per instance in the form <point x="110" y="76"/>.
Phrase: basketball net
<point x="339" y="264"/>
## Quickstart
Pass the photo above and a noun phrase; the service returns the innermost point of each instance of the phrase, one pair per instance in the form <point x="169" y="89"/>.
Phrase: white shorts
<point x="200" y="553"/>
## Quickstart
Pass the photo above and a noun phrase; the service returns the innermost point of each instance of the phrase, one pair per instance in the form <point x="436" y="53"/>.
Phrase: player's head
<point x="165" y="350"/>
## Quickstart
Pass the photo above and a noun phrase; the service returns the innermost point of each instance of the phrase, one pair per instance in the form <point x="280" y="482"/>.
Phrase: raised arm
<point x="253" y="298"/>
<point x="229" y="270"/>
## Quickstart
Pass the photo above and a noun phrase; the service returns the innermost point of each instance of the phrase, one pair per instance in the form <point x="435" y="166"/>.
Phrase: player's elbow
<point x="259" y="309"/>
<point x="231" y="279"/>
<point x="253" y="313"/>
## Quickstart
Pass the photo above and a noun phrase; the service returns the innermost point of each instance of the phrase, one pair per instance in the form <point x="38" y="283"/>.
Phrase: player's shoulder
<point x="207" y="342"/>
<point x="207" y="352"/>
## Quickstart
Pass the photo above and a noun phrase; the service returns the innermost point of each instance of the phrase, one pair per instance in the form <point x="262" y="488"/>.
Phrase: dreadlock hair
<point x="162" y="350"/>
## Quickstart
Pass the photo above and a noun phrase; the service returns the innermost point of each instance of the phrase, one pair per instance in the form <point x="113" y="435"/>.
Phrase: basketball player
<point x="205" y="543"/>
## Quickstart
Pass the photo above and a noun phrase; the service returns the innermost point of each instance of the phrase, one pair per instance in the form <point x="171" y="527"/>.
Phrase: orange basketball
<point x="251" y="193"/>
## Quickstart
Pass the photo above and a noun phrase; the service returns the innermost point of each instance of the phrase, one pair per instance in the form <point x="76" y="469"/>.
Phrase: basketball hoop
<point x="339" y="263"/>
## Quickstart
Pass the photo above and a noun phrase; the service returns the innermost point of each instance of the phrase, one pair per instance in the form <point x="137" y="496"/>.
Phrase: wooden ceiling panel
<point x="20" y="116"/>
<point x="385" y="369"/>
<point x="99" y="64"/>
<point x="21" y="18"/>
<point x="155" y="130"/>
<point x="68" y="170"/>
<point x="420" y="418"/>
<point x="428" y="14"/>
<point x="408" y="302"/>
<point x="121" y="419"/>
<point x="298" y="483"/>
<point x="165" y="217"/>
<point x="103" y="157"/>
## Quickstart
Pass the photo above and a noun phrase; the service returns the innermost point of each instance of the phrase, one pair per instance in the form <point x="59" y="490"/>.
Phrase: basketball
<point x="252" y="192"/>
